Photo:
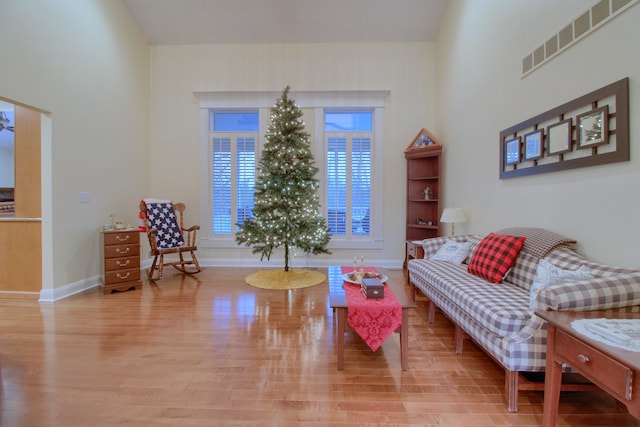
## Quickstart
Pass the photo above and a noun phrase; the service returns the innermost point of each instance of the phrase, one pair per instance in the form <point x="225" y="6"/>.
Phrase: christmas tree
<point x="286" y="207"/>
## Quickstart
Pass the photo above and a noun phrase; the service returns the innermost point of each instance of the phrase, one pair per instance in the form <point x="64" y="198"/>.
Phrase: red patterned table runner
<point x="373" y="319"/>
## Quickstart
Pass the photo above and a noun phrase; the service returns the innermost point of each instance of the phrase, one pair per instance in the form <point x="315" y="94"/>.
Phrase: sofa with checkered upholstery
<point x="499" y="317"/>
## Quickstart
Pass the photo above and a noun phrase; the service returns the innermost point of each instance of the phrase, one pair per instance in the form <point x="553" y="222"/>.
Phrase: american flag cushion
<point x="162" y="217"/>
<point x="495" y="256"/>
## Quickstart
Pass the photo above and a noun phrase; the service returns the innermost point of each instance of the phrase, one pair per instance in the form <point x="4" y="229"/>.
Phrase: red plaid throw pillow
<point x="495" y="256"/>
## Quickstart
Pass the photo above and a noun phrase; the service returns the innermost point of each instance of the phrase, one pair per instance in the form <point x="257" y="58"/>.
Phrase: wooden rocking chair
<point x="167" y="235"/>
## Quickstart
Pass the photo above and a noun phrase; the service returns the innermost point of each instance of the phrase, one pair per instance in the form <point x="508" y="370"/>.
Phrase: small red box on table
<point x="372" y="288"/>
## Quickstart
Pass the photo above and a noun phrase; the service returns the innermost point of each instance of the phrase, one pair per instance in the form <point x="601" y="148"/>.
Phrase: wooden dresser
<point x="121" y="252"/>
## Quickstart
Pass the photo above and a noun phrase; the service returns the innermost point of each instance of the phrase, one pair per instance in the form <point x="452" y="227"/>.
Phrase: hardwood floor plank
<point x="210" y="350"/>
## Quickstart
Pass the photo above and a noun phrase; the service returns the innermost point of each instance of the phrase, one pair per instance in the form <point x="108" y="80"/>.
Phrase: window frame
<point x="374" y="240"/>
<point x="319" y="102"/>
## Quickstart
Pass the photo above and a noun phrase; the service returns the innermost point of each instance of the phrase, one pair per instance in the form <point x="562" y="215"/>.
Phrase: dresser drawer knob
<point x="123" y="276"/>
<point x="583" y="358"/>
<point x="124" y="264"/>
<point x="123" y="238"/>
<point x="120" y="251"/>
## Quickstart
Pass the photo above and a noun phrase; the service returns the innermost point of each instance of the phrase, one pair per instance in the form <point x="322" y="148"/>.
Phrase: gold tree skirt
<point x="280" y="279"/>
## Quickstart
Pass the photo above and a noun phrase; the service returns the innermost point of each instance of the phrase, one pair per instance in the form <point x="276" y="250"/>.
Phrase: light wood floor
<point x="215" y="351"/>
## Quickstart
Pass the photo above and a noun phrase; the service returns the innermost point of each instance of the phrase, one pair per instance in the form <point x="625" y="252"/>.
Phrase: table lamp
<point x="453" y="215"/>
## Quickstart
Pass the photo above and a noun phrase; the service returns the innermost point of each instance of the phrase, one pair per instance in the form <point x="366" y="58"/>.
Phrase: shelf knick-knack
<point x="427" y="193"/>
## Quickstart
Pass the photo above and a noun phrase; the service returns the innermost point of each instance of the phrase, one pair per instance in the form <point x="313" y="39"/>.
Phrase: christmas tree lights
<point x="286" y="207"/>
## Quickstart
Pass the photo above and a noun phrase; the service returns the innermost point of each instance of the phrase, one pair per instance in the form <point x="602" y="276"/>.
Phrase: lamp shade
<point x="453" y="215"/>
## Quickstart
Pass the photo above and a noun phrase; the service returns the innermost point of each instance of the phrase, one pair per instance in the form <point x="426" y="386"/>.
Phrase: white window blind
<point x="349" y="171"/>
<point x="221" y="185"/>
<point x="245" y="177"/>
<point x="337" y="185"/>
<point x="360" y="185"/>
<point x="233" y="173"/>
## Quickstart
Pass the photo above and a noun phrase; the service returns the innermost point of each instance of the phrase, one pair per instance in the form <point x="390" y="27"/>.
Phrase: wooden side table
<point x="121" y="253"/>
<point x="414" y="249"/>
<point x="612" y="369"/>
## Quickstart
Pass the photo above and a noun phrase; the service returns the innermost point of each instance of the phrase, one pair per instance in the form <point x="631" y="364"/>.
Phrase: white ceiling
<point x="287" y="21"/>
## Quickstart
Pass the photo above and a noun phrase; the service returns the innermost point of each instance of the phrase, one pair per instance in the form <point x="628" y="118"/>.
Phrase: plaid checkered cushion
<point x="475" y="240"/>
<point x="540" y="242"/>
<point x="523" y="272"/>
<point x="162" y="217"/>
<point x="495" y="256"/>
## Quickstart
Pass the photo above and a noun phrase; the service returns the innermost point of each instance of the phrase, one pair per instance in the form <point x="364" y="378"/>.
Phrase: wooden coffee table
<point x="338" y="301"/>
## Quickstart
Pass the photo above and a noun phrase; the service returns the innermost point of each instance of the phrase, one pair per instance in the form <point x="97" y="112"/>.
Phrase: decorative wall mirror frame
<point x="512" y="151"/>
<point x="559" y="137"/>
<point x="601" y="122"/>
<point x="593" y="128"/>
<point x="533" y="145"/>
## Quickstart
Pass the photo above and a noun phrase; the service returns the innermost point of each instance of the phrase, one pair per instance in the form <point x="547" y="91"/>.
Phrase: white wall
<point x="406" y="70"/>
<point x="86" y="63"/>
<point x="481" y="92"/>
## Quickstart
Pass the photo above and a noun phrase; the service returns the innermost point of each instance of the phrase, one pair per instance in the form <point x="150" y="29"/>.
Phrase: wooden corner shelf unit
<point x="423" y="214"/>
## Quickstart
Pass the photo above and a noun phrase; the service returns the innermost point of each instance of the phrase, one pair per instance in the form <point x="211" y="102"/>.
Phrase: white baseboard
<point x="296" y="263"/>
<point x="56" y="294"/>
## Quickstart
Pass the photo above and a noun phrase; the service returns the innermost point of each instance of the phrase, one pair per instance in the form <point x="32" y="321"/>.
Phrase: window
<point x="348" y="163"/>
<point x="346" y="135"/>
<point x="7" y="159"/>
<point x="233" y="164"/>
